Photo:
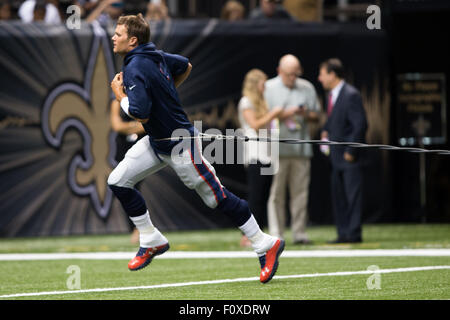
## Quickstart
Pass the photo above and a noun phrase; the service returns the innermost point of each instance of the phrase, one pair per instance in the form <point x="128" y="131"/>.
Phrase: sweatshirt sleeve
<point x="177" y="64"/>
<point x="139" y="98"/>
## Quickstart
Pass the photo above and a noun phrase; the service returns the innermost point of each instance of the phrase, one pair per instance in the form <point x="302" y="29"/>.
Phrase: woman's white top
<point x="253" y="150"/>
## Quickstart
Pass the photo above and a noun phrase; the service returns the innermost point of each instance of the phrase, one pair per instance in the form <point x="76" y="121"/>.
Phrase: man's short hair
<point x="136" y="26"/>
<point x="334" y="65"/>
<point x="40" y="5"/>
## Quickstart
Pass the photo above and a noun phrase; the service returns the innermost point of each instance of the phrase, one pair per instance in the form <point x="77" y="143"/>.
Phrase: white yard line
<point x="195" y="283"/>
<point x="229" y="254"/>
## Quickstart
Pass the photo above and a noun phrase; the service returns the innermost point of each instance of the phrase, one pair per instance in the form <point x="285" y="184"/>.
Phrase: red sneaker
<point x="145" y="256"/>
<point x="269" y="261"/>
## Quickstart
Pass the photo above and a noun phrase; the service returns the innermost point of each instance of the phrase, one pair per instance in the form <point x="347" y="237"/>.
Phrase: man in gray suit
<point x="346" y="123"/>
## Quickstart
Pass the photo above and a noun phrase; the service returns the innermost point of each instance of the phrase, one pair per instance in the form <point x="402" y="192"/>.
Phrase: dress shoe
<point x="355" y="240"/>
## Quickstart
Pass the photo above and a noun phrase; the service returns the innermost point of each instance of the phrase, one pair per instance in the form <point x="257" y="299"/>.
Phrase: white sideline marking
<point x="229" y="254"/>
<point x="185" y="284"/>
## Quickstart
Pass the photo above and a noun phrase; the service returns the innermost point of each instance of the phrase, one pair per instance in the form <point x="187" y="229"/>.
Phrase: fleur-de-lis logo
<point x="86" y="108"/>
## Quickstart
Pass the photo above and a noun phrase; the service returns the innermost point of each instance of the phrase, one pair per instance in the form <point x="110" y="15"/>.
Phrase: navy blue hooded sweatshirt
<point x="148" y="81"/>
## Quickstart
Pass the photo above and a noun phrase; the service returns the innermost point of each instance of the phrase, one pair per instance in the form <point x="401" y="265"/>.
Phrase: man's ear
<point x="333" y="74"/>
<point x="133" y="41"/>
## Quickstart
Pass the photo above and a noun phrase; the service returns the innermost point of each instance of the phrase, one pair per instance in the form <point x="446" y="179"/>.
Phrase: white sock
<point x="261" y="242"/>
<point x="149" y="236"/>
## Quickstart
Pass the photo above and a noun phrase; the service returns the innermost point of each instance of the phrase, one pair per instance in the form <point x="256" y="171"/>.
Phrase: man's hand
<point x="348" y="157"/>
<point x="308" y="114"/>
<point x="288" y="112"/>
<point x="117" y="86"/>
<point x="324" y="148"/>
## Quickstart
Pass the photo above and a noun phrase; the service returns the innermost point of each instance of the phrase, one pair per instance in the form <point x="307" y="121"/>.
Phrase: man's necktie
<point x="330" y="104"/>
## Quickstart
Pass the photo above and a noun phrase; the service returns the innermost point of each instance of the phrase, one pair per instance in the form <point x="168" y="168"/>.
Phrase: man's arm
<point x="288" y="112"/>
<point x="101" y="6"/>
<point x="179" y="79"/>
<point x="121" y="126"/>
<point x="117" y="88"/>
<point x="309" y="115"/>
<point x="311" y="111"/>
<point x="357" y="118"/>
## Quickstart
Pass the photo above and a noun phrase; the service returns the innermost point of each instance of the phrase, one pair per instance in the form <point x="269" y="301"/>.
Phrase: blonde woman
<point x="254" y="116"/>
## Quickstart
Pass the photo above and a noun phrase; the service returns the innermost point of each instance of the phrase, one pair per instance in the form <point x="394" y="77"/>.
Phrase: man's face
<point x="268" y="7"/>
<point x="121" y="44"/>
<point x="289" y="73"/>
<point x="326" y="79"/>
<point x="39" y="14"/>
<point x="235" y="15"/>
<point x="5" y="11"/>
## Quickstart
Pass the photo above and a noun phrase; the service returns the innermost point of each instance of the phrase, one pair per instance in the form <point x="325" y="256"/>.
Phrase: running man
<point x="146" y="90"/>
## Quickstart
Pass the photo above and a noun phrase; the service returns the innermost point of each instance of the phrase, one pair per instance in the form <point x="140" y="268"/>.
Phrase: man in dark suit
<point x="346" y="123"/>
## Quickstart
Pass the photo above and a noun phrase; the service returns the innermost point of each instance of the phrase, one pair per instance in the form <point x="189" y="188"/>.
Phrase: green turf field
<point x="17" y="277"/>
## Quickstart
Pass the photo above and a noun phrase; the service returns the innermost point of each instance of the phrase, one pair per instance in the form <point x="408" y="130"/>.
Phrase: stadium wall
<point x="56" y="142"/>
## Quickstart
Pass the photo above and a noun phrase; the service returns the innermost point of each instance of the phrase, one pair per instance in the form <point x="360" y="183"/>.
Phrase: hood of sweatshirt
<point x="147" y="50"/>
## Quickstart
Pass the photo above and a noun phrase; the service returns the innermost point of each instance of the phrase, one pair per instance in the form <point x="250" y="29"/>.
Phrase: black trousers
<point x="346" y="196"/>
<point x="258" y="192"/>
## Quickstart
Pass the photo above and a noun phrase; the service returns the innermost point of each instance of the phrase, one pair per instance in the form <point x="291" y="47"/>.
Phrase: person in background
<point x="157" y="11"/>
<point x="270" y="9"/>
<point x="346" y="123"/>
<point x="128" y="132"/>
<point x="37" y="10"/>
<point x="254" y="115"/>
<point x="232" y="11"/>
<point x="300" y="107"/>
<point x="86" y="6"/>
<point x="106" y="11"/>
<point x="5" y="10"/>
